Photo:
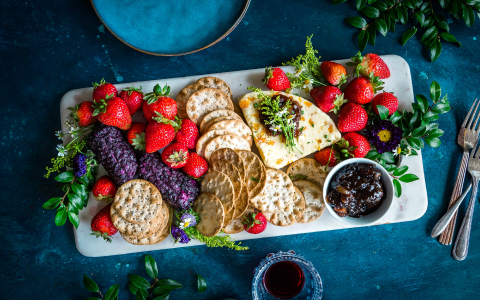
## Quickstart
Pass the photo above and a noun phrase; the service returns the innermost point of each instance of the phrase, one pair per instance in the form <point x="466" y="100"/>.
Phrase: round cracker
<point x="216" y="83"/>
<point x="232" y="157"/>
<point x="290" y="214"/>
<point x="254" y="172"/>
<point x="242" y="202"/>
<point x="219" y="184"/>
<point x="206" y="100"/>
<point x="277" y="194"/>
<point x="217" y="114"/>
<point x="135" y="230"/>
<point x="225" y="167"/>
<point x="314" y="203"/>
<point x="138" y="201"/>
<point x="182" y="98"/>
<point x="229" y="216"/>
<point x="299" y="201"/>
<point x="210" y="210"/>
<point x="225" y="141"/>
<point x="235" y="226"/>
<point x="158" y="236"/>
<point x="307" y="169"/>
<point x="237" y="127"/>
<point x="206" y="138"/>
<point x="216" y="120"/>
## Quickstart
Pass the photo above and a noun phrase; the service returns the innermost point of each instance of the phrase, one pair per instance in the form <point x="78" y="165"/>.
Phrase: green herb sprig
<point x="383" y="15"/>
<point x="279" y="117"/>
<point x="214" y="241"/>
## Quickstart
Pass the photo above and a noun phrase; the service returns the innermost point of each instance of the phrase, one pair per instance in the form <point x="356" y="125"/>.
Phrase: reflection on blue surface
<point x="169" y="26"/>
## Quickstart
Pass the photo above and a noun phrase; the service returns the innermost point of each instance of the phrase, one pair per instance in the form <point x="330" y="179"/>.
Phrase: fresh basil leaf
<point x="383" y="112"/>
<point x="64" y="177"/>
<point x="372" y="35"/>
<point x="90" y="284"/>
<point x="430" y="116"/>
<point x="441" y="108"/>
<point x="61" y="217"/>
<point x="435" y="50"/>
<point x="73" y="218"/>
<point x="381" y="26"/>
<point x="169" y="284"/>
<point x="52" y="203"/>
<point x="433" y="142"/>
<point x="435" y="133"/>
<point x="370" y="12"/>
<point x="362" y="39"/>
<point x="435" y="91"/>
<point x="408" y="34"/>
<point x="408" y="178"/>
<point x="381" y="6"/>
<point x="400" y="171"/>
<point x="112" y="292"/>
<point x="201" y="284"/>
<point x="468" y="16"/>
<point x="361" y="4"/>
<point x="420" y="17"/>
<point x="398" y="188"/>
<point x="395" y="117"/>
<point x="422" y="103"/>
<point x="358" y="22"/>
<point x="450" y="38"/>
<point x="151" y="266"/>
<point x="75" y="200"/>
<point x="139" y="281"/>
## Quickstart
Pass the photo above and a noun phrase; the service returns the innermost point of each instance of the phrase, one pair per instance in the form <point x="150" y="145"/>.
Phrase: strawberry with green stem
<point x="113" y="111"/>
<point x="158" y="101"/>
<point x="133" y="97"/>
<point x="82" y="114"/>
<point x="136" y="135"/>
<point x="254" y="223"/>
<point x="103" y="90"/>
<point x="160" y="132"/>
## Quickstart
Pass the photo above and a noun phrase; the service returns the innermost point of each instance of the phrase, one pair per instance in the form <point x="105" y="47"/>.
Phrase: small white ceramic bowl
<point x="381" y="210"/>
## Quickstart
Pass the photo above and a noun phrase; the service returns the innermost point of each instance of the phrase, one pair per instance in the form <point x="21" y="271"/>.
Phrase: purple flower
<point x="187" y="220"/>
<point x="79" y="164"/>
<point x="179" y="235"/>
<point x="384" y="135"/>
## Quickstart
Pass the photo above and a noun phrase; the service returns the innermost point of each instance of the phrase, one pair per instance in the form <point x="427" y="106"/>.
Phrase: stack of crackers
<point x="140" y="214"/>
<point x="208" y="103"/>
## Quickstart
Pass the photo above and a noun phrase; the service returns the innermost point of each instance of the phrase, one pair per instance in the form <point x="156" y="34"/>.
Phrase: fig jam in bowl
<point x="358" y="192"/>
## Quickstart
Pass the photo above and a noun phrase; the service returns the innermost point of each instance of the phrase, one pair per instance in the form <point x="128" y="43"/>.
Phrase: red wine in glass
<point x="284" y="280"/>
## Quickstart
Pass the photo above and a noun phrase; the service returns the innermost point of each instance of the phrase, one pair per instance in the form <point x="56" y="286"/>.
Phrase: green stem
<point x="152" y="288"/>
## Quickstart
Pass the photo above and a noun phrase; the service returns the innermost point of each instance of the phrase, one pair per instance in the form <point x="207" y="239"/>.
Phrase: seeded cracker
<point x="211" y="213"/>
<point x="225" y="167"/>
<point x="277" y="194"/>
<point x="216" y="120"/>
<point x="225" y="141"/>
<point x="290" y="214"/>
<point x="139" y="231"/>
<point x="237" y="127"/>
<point x="314" y="203"/>
<point x="231" y="156"/>
<point x="217" y="114"/>
<point x="182" y="98"/>
<point x="308" y="169"/>
<point x="207" y="137"/>
<point x="254" y="173"/>
<point x="205" y="101"/>
<point x="215" y="83"/>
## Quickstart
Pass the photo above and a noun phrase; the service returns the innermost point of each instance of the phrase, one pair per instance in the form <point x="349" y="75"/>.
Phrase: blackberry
<point x="114" y="153"/>
<point x="176" y="187"/>
<point x="79" y="164"/>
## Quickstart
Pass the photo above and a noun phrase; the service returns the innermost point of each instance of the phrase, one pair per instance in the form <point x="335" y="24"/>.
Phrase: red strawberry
<point x="385" y="99"/>
<point x="157" y="101"/>
<point x="188" y="134"/>
<point x="102" y="90"/>
<point x="275" y="79"/>
<point x="160" y="132"/>
<point x="136" y="135"/>
<point x="133" y="97"/>
<point x="102" y="225"/>
<point x="334" y="73"/>
<point x="104" y="189"/>
<point x="359" y="90"/>
<point x="82" y="114"/>
<point x="359" y="141"/>
<point x="371" y="63"/>
<point x="327" y="157"/>
<point x="328" y="98"/>
<point x="196" y="165"/>
<point x="175" y="155"/>
<point x="254" y="223"/>
<point x="352" y="117"/>
<point x="113" y="112"/>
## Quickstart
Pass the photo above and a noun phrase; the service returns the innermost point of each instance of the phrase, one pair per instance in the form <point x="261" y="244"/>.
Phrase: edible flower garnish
<point x="187" y="220"/>
<point x="384" y="135"/>
<point x="281" y="118"/>
<point x="179" y="235"/>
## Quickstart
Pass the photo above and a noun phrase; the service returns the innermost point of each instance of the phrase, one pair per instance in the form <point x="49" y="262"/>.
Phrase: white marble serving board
<point x="410" y="206"/>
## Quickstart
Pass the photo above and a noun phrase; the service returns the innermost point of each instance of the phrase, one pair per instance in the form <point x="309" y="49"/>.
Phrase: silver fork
<point x="467" y="137"/>
<point x="460" y="249"/>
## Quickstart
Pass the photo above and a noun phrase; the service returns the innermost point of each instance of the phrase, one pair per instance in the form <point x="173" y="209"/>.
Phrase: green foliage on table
<point x="426" y="16"/>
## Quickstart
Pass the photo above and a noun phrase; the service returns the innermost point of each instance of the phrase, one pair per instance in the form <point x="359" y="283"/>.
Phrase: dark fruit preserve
<point x="284" y="280"/>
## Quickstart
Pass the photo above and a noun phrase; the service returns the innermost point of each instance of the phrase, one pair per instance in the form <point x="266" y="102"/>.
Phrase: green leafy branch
<point x="214" y="241"/>
<point x="384" y="14"/>
<point x="140" y="287"/>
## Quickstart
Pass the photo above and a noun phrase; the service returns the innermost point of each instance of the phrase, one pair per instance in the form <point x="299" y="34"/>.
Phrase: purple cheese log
<point x="114" y="153"/>
<point x="176" y="187"/>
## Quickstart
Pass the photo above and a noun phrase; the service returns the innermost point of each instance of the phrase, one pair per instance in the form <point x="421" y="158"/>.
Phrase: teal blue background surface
<point x="50" y="47"/>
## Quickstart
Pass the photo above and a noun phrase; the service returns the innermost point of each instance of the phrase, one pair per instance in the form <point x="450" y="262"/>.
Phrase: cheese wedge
<point x="319" y="131"/>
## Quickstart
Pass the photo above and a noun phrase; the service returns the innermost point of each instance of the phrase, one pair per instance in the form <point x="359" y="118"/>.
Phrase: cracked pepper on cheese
<point x="317" y="131"/>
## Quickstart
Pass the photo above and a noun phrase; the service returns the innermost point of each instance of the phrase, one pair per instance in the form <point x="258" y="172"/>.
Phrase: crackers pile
<point x="208" y="103"/>
<point x="140" y="214"/>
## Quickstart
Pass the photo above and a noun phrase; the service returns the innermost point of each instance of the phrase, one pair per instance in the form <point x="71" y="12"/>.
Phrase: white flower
<point x="299" y="72"/>
<point x="61" y="150"/>
<point x="186" y="223"/>
<point x="59" y="134"/>
<point x="307" y="85"/>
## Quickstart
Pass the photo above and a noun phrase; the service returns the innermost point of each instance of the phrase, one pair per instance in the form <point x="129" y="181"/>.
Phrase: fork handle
<point x="447" y="236"/>
<point x="460" y="249"/>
